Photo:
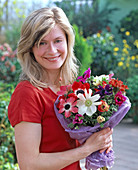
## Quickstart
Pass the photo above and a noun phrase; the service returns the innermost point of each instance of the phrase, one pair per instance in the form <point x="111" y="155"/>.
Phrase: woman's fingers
<point x="108" y="144"/>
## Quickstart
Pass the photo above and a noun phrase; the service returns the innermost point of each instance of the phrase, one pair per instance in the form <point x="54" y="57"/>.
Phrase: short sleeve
<point x="25" y="105"/>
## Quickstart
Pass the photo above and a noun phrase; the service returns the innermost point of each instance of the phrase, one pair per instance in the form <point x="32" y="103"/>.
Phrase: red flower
<point x="73" y="95"/>
<point x="123" y="87"/>
<point x="103" y="107"/>
<point x="80" y="86"/>
<point x="104" y="84"/>
<point x="108" y="29"/>
<point x="119" y="84"/>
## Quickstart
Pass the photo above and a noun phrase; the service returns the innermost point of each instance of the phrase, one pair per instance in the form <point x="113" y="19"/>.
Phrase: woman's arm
<point x="27" y="141"/>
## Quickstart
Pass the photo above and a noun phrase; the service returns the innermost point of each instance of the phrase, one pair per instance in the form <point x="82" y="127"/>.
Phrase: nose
<point x="52" y="49"/>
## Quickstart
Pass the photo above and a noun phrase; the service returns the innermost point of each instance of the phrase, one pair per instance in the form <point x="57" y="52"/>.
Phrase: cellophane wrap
<point x="95" y="160"/>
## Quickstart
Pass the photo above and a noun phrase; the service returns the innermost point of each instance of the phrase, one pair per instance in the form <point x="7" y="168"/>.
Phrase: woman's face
<point x="52" y="50"/>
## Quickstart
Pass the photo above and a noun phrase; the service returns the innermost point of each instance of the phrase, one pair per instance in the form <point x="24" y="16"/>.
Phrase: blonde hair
<point x="37" y="25"/>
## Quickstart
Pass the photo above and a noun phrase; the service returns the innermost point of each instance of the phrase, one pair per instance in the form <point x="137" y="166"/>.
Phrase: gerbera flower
<point x="119" y="98"/>
<point x="68" y="106"/>
<point x="85" y="75"/>
<point x="103" y="107"/>
<point x="87" y="104"/>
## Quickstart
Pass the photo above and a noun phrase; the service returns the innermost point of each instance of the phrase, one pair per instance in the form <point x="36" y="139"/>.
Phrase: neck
<point x="53" y="78"/>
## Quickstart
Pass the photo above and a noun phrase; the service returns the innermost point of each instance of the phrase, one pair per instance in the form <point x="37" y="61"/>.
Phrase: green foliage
<point x="7" y="149"/>
<point x="89" y="17"/>
<point x="82" y="50"/>
<point x="129" y="34"/>
<point x="127" y="57"/>
<point x="68" y="7"/>
<point x="132" y="83"/>
<point x="12" y="15"/>
<point x="130" y="23"/>
<point x="13" y="34"/>
<point x="9" y="65"/>
<point x="104" y="59"/>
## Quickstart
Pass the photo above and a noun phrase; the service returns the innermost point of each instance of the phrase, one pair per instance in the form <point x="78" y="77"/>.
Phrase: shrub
<point x="88" y="16"/>
<point x="7" y="149"/>
<point x="127" y="57"/>
<point x="128" y="63"/>
<point x="82" y="50"/>
<point x="129" y="23"/>
<point x="132" y="83"/>
<point x="9" y="65"/>
<point x="104" y="58"/>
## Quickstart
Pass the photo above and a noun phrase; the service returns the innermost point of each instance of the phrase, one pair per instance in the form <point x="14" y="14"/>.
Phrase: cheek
<point x="37" y="53"/>
<point x="64" y="49"/>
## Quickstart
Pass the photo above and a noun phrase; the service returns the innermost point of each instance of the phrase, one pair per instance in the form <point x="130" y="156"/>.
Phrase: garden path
<point x="125" y="146"/>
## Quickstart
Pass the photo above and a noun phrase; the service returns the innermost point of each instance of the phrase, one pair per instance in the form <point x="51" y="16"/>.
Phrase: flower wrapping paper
<point x="95" y="160"/>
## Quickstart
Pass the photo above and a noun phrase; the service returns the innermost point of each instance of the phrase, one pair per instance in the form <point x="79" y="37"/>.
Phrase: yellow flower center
<point x="88" y="103"/>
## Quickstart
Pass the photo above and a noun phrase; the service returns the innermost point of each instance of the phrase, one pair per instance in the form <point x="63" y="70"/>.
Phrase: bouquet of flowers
<point x="87" y="106"/>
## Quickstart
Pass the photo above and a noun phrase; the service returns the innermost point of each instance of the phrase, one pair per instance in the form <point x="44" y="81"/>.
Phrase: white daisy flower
<point x="87" y="104"/>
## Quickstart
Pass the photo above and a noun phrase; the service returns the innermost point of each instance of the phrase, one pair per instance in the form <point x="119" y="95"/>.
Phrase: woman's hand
<point x="109" y="148"/>
<point x="101" y="141"/>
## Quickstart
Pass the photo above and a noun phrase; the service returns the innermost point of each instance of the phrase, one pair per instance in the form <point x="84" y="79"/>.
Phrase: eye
<point x="42" y="43"/>
<point x="58" y="41"/>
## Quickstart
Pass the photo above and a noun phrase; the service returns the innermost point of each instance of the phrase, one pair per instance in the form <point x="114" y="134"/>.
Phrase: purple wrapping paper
<point x="95" y="160"/>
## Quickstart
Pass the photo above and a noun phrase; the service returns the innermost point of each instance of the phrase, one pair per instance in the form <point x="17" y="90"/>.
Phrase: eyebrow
<point x="59" y="37"/>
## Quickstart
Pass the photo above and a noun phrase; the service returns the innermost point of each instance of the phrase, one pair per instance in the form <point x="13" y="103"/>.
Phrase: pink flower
<point x="119" y="98"/>
<point x="78" y="119"/>
<point x="110" y="76"/>
<point x="68" y="106"/>
<point x="64" y="89"/>
<point x="85" y="75"/>
<point x="6" y="53"/>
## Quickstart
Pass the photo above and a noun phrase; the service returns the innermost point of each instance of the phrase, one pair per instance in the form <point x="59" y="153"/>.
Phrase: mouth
<point x="51" y="59"/>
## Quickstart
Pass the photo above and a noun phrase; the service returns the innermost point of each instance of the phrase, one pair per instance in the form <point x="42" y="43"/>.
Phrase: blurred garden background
<point x="106" y="40"/>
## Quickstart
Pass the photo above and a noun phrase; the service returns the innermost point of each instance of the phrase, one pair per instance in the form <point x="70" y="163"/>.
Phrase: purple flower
<point x="85" y="75"/>
<point x="119" y="98"/>
<point x="104" y="91"/>
<point x="78" y="119"/>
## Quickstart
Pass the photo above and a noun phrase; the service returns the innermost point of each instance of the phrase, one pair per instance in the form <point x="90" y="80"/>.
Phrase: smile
<point x="53" y="58"/>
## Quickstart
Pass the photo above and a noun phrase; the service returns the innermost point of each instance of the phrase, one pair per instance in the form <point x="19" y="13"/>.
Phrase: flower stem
<point x="104" y="168"/>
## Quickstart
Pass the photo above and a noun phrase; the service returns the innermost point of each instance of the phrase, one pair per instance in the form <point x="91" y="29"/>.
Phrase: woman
<point x="45" y="52"/>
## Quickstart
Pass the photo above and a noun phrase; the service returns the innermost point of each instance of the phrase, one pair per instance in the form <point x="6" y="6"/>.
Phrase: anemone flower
<point x="78" y="87"/>
<point x="68" y="106"/>
<point x="87" y="103"/>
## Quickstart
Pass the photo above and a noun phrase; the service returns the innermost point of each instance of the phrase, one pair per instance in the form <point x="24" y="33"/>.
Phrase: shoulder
<point x="26" y="104"/>
<point x="26" y="89"/>
<point x="26" y="86"/>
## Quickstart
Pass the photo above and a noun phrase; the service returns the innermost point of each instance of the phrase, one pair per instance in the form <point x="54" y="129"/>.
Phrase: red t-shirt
<point x="30" y="104"/>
